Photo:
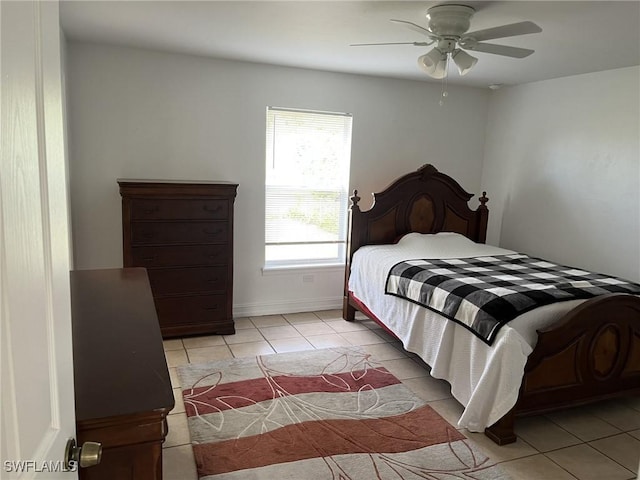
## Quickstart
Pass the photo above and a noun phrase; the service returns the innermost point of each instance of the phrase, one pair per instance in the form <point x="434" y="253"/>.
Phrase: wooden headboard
<point x="424" y="201"/>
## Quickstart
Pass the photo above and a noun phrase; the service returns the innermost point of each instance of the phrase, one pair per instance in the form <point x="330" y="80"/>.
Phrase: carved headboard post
<point x="483" y="217"/>
<point x="354" y="241"/>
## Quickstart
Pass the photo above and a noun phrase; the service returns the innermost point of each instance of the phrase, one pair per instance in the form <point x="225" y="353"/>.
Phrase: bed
<point x="566" y="354"/>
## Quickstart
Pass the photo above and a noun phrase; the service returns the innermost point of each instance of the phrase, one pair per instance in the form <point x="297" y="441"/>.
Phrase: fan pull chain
<point x="444" y="93"/>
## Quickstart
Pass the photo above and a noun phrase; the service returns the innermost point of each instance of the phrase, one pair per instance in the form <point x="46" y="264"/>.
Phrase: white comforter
<point x="485" y="379"/>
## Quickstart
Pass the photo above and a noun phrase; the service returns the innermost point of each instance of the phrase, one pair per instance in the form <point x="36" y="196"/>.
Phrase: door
<point x="37" y="415"/>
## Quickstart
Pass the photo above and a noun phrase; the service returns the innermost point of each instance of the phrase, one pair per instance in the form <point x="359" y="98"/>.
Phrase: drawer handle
<point x="149" y="259"/>
<point x="151" y="210"/>
<point x="215" y="307"/>
<point x="148" y="235"/>
<point x="212" y="255"/>
<point x="213" y="280"/>
<point x="209" y="232"/>
<point x="207" y="208"/>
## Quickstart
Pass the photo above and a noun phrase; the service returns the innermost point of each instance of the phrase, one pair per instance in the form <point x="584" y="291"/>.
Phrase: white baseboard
<point x="289" y="306"/>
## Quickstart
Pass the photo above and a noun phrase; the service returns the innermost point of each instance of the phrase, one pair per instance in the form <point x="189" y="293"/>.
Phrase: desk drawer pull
<point x="149" y="259"/>
<point x="149" y="211"/>
<point x="215" y="307"/>
<point x="209" y="232"/>
<point x="207" y="208"/>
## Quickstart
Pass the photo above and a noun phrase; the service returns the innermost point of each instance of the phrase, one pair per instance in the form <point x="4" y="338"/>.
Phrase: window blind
<point x="307" y="177"/>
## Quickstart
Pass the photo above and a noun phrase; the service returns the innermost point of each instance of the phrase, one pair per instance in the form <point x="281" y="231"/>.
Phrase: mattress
<point x="484" y="379"/>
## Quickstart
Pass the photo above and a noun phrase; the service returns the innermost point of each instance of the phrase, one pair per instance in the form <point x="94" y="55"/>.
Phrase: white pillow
<point x="448" y="245"/>
<point x="435" y="239"/>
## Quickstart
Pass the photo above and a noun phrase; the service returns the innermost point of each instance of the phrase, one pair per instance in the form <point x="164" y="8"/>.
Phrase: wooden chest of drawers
<point x="182" y="232"/>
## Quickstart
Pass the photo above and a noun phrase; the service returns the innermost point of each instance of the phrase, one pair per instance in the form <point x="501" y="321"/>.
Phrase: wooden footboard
<point x="592" y="354"/>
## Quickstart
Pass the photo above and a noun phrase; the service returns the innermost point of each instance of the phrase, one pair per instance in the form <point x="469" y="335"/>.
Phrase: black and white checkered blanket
<point x="484" y="293"/>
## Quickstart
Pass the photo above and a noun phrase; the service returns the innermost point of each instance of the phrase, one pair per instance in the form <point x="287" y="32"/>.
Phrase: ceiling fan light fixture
<point x="463" y="61"/>
<point x="434" y="63"/>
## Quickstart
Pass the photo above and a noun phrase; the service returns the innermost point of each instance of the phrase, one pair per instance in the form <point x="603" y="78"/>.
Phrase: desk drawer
<point x="161" y="209"/>
<point x="168" y="281"/>
<point x="146" y="233"/>
<point x="192" y="309"/>
<point x="180" y="255"/>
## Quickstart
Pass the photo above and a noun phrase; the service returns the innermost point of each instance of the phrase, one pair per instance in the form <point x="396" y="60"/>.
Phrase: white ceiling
<point x="577" y="37"/>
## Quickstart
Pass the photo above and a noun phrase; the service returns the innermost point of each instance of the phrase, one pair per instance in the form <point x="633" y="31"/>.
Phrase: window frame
<point x="304" y="264"/>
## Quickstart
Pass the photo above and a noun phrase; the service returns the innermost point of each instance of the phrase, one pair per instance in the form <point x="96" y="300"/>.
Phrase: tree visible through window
<point x="307" y="177"/>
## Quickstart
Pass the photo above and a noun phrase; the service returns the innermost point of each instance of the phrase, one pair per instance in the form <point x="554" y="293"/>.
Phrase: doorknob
<point x="88" y="455"/>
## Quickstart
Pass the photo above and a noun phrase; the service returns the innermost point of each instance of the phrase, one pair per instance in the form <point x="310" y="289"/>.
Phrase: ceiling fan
<point x="446" y="28"/>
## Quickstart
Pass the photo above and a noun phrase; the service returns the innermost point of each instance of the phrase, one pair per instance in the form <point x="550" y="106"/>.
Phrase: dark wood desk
<point x="122" y="387"/>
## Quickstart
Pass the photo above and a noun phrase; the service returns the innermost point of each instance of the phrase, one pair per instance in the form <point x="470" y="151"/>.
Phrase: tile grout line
<point x="587" y="442"/>
<point x="552" y="460"/>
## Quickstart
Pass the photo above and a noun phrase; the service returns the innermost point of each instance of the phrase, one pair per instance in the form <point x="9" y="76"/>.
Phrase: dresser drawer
<point x="180" y="255"/>
<point x="165" y="209"/>
<point x="168" y="281"/>
<point x="192" y="309"/>
<point x="145" y="233"/>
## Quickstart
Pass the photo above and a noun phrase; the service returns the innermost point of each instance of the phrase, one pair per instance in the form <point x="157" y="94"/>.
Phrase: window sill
<point x="302" y="269"/>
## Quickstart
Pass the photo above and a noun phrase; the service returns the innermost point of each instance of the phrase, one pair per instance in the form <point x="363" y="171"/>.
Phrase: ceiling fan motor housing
<point x="450" y="20"/>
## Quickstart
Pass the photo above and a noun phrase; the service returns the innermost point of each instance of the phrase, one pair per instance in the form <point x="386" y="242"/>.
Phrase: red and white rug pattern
<point x="320" y="414"/>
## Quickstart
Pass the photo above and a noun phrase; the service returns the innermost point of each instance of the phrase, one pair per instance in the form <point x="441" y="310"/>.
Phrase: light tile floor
<point x="596" y="442"/>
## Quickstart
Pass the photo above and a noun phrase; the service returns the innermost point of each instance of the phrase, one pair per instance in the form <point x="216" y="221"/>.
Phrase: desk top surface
<point x="118" y="355"/>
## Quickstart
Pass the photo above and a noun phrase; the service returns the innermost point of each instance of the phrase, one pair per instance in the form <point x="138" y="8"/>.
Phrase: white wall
<point x="143" y="114"/>
<point x="562" y="170"/>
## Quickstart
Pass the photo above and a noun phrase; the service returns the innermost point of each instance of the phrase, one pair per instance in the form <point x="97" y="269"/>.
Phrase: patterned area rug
<point x="321" y="414"/>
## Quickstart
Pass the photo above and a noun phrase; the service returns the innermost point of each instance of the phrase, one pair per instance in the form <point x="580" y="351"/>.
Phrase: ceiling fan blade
<point x="415" y="27"/>
<point x="514" y="52"/>
<point x="415" y="44"/>
<point x="511" y="30"/>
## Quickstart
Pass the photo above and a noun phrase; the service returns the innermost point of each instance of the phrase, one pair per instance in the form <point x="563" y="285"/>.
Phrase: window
<point x="307" y="177"/>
